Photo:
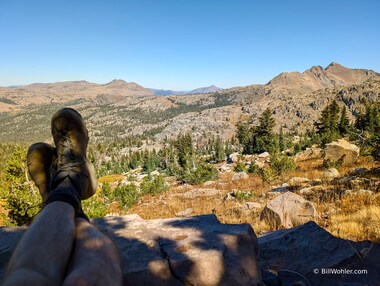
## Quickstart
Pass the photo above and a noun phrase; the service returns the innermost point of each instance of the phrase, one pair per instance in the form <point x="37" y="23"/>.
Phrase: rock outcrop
<point x="309" y="154"/>
<point x="188" y="251"/>
<point x="310" y="252"/>
<point x="201" y="251"/>
<point x="288" y="210"/>
<point x="240" y="176"/>
<point x="343" y="151"/>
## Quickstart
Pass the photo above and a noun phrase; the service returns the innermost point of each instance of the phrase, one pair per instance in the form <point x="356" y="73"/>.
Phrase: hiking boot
<point x="40" y="161"/>
<point x="73" y="168"/>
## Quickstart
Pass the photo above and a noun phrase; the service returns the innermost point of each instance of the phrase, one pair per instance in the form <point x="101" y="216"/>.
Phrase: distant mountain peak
<point x="117" y="82"/>
<point x="208" y="89"/>
<point x="333" y="64"/>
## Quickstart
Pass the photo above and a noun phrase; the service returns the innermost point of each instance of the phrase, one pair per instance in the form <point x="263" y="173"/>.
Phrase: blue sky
<point x="182" y="44"/>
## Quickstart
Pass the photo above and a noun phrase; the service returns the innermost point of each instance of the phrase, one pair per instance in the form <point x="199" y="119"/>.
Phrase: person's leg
<point x="64" y="176"/>
<point x="95" y="259"/>
<point x="42" y="255"/>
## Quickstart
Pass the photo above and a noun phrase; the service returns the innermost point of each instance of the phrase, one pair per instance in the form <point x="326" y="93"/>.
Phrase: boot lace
<point x="68" y="162"/>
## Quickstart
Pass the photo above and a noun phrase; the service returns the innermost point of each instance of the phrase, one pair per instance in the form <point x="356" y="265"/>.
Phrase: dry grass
<point x="363" y="224"/>
<point x="111" y="178"/>
<point x="354" y="217"/>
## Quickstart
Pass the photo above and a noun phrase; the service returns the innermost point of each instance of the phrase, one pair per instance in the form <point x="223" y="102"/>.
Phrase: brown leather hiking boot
<point x="73" y="168"/>
<point x="40" y="161"/>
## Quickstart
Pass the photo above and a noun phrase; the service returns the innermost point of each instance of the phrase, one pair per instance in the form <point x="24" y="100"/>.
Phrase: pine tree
<point x="220" y="153"/>
<point x="260" y="138"/>
<point x="334" y="111"/>
<point x="22" y="200"/>
<point x="344" y="123"/>
<point x="328" y="124"/>
<point x="266" y="123"/>
<point x="281" y="140"/>
<point x="244" y="134"/>
<point x="376" y="145"/>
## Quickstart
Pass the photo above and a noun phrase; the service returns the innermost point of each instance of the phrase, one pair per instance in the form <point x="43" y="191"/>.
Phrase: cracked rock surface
<point x="197" y="250"/>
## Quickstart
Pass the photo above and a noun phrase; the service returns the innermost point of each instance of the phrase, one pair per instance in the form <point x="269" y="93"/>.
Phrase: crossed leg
<point x="95" y="260"/>
<point x="55" y="240"/>
<point x="42" y="254"/>
<point x="59" y="248"/>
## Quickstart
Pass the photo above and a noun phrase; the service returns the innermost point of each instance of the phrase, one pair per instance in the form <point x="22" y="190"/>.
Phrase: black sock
<point x="65" y="192"/>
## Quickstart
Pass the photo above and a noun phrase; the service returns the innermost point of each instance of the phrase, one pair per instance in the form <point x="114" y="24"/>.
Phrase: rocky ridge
<point x="129" y="109"/>
<point x="201" y="90"/>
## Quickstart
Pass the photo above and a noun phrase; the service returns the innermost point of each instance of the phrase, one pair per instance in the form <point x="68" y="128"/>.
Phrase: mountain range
<point x="208" y="89"/>
<point x="120" y="109"/>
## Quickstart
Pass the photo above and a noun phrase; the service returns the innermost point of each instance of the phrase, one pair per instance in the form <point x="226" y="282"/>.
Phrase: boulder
<point x="343" y="151"/>
<point x="240" y="176"/>
<point x="229" y="197"/>
<point x="183" y="251"/>
<point x="288" y="210"/>
<point x="308" y="154"/>
<point x="261" y="165"/>
<point x="279" y="189"/>
<point x="155" y="173"/>
<point x="312" y="190"/>
<point x="233" y="158"/>
<point x="308" y="251"/>
<point x="298" y="181"/>
<point x="208" y="183"/>
<point x="224" y="168"/>
<point x="264" y="155"/>
<point x="330" y="174"/>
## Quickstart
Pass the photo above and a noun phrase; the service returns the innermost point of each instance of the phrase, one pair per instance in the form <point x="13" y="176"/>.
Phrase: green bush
<point x="242" y="195"/>
<point x="200" y="174"/>
<point x="253" y="168"/>
<point x="239" y="167"/>
<point x="153" y="186"/>
<point x="281" y="163"/>
<point x="127" y="195"/>
<point x="94" y="208"/>
<point x="22" y="200"/>
<point x="22" y="205"/>
<point x="267" y="174"/>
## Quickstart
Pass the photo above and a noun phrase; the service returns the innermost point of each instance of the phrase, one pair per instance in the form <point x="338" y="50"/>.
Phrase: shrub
<point x="253" y="168"/>
<point x="22" y="205"/>
<point x="127" y="195"/>
<point x="22" y="201"/>
<point x="95" y="207"/>
<point x="154" y="186"/>
<point x="239" y="167"/>
<point x="200" y="174"/>
<point x="242" y="195"/>
<point x="281" y="163"/>
<point x="267" y="174"/>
